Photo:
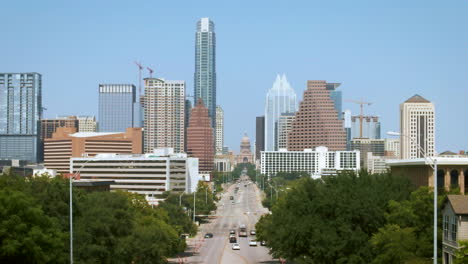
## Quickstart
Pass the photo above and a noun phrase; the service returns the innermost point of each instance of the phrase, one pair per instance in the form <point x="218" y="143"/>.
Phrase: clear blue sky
<point x="382" y="51"/>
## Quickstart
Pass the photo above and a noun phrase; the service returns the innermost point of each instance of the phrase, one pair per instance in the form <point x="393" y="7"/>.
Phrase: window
<point x="453" y="236"/>
<point x="446" y="226"/>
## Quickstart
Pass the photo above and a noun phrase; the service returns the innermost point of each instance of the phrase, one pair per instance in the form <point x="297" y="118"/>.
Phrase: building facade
<point x="336" y="97"/>
<point x="285" y="122"/>
<point x="317" y="123"/>
<point x="280" y="99"/>
<point x="317" y="163"/>
<point x="116" y="107"/>
<point x="376" y="164"/>
<point x="164" y="115"/>
<point x="149" y="174"/>
<point x="20" y="112"/>
<point x="392" y="147"/>
<point x="454" y="227"/>
<point x="417" y="128"/>
<point x="67" y="143"/>
<point x="370" y="127"/>
<point x="452" y="172"/>
<point x="259" y="136"/>
<point x="365" y="145"/>
<point x="205" y="66"/>
<point x="50" y="125"/>
<point x="219" y="130"/>
<point x="245" y="155"/>
<point x="87" y="124"/>
<point x="200" y="142"/>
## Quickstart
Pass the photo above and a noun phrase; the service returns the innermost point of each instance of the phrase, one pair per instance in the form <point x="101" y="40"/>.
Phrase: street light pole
<point x="434" y="167"/>
<point x="194" y="200"/>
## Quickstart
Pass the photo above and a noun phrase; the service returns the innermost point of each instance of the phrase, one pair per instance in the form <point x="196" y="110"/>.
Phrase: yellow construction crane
<point x="361" y="116"/>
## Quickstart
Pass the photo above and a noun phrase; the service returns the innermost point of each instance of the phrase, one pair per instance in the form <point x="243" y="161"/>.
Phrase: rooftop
<point x="417" y="99"/>
<point x="459" y="203"/>
<point x="93" y="134"/>
<point x="422" y="161"/>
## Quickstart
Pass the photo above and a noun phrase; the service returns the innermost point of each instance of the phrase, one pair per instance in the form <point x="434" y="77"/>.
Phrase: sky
<point x="381" y="51"/>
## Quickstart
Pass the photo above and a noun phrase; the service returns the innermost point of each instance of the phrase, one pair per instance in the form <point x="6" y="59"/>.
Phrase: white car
<point x="235" y="246"/>
<point x="252" y="243"/>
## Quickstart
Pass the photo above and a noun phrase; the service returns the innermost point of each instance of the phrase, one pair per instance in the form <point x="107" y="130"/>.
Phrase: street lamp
<point x="434" y="167"/>
<point x="71" y="209"/>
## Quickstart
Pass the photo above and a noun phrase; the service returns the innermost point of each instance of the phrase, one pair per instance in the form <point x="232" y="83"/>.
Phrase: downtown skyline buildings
<point x="280" y="99"/>
<point x="117" y="103"/>
<point x="205" y="66"/>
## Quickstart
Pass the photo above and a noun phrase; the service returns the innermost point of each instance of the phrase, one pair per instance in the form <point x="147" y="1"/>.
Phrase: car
<point x="209" y="235"/>
<point x="233" y="202"/>
<point x="252" y="232"/>
<point x="232" y="232"/>
<point x="263" y="243"/>
<point x="232" y="239"/>
<point x="252" y="243"/>
<point x="235" y="246"/>
<point x="231" y="197"/>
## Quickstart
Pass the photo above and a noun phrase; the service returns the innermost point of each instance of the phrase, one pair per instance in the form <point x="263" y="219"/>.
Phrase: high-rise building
<point x="20" y="112"/>
<point x="200" y="142"/>
<point x="280" y="99"/>
<point x="336" y="97"/>
<point x="66" y="143"/>
<point x="205" y="66"/>
<point x="417" y="128"/>
<point x="164" y="114"/>
<point x="188" y="110"/>
<point x="370" y="127"/>
<point x="347" y="127"/>
<point x="392" y="147"/>
<point x="50" y="125"/>
<point x="219" y="130"/>
<point x="259" y="136"/>
<point x="284" y="127"/>
<point x="87" y="124"/>
<point x="366" y="145"/>
<point x="116" y="107"/>
<point x="317" y="123"/>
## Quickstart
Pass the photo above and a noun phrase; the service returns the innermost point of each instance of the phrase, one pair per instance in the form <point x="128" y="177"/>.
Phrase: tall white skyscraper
<point x="219" y="130"/>
<point x="280" y="99"/>
<point x="417" y="128"/>
<point x="164" y="125"/>
<point x="205" y="66"/>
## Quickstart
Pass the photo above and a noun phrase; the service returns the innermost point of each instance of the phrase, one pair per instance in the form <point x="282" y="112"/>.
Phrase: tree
<point x="330" y="220"/>
<point x="462" y="254"/>
<point x="394" y="244"/>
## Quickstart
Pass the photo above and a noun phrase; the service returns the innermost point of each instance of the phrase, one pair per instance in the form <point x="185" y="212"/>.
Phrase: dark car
<point x="209" y="235"/>
<point x="232" y="239"/>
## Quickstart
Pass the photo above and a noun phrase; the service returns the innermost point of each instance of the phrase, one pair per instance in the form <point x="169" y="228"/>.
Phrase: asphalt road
<point x="246" y="209"/>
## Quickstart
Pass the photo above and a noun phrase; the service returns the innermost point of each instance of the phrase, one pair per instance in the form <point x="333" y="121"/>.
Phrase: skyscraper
<point x="317" y="123"/>
<point x="205" y="66"/>
<point x="417" y="128"/>
<point x="370" y="127"/>
<point x="200" y="142"/>
<point x="336" y="97"/>
<point x="87" y="124"/>
<point x="164" y="114"/>
<point x="20" y="112"/>
<point x="280" y="99"/>
<point x="259" y="136"/>
<point x="219" y="130"/>
<point x="285" y="122"/>
<point x="50" y="125"/>
<point x="116" y="107"/>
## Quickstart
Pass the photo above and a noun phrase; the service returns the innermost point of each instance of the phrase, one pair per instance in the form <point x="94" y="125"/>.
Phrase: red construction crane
<point x="140" y="68"/>
<point x="150" y="71"/>
<point x="361" y="116"/>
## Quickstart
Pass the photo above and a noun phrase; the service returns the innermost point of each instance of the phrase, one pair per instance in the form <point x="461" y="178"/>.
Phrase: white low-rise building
<point x="316" y="163"/>
<point x="149" y="174"/>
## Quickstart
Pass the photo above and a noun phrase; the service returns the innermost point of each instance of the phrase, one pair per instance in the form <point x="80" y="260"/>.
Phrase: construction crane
<point x="140" y="68"/>
<point x="361" y="116"/>
<point x="150" y="71"/>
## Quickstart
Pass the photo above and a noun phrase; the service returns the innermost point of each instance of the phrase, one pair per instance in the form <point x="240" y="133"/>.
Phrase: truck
<point x="242" y="231"/>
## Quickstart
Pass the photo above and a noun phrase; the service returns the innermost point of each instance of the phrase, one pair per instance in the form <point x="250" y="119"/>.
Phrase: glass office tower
<point x="205" y="66"/>
<point x="280" y="99"/>
<point x="117" y="104"/>
<point x="20" y="114"/>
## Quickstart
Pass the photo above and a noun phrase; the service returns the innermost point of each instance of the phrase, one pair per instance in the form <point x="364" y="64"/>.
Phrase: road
<point x="246" y="209"/>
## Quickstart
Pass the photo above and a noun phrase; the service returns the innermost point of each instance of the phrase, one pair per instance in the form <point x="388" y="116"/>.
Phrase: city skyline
<point x="406" y="57"/>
